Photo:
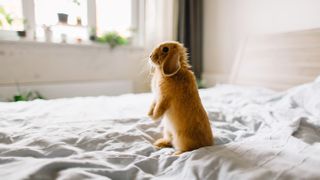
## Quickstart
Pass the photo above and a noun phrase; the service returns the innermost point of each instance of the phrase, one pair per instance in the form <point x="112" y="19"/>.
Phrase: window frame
<point x="137" y="19"/>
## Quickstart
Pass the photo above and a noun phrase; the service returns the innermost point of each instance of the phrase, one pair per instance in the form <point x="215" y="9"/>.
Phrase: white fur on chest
<point x="155" y="88"/>
<point x="168" y="128"/>
<point x="166" y="123"/>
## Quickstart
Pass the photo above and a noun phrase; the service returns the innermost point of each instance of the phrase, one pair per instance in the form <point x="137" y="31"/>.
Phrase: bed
<point x="260" y="133"/>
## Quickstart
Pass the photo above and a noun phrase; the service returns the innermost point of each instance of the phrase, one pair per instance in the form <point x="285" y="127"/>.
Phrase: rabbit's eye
<point x="165" y="49"/>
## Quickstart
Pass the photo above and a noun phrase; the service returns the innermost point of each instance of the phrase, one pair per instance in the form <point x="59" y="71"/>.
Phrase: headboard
<point x="278" y="61"/>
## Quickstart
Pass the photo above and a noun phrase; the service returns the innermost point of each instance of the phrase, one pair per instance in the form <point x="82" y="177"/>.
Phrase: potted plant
<point x="47" y="33"/>
<point x="77" y="3"/>
<point x="22" y="33"/>
<point x="26" y="96"/>
<point x="92" y="35"/>
<point x="63" y="18"/>
<point x="113" y="39"/>
<point x="63" y="15"/>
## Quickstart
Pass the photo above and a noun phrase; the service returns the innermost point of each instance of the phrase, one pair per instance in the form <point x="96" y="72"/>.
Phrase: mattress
<point x="259" y="134"/>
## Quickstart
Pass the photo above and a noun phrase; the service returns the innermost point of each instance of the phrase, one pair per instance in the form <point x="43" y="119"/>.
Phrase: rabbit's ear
<point x="171" y="65"/>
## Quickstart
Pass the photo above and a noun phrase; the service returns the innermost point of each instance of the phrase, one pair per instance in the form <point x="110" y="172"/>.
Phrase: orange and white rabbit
<point x="185" y="122"/>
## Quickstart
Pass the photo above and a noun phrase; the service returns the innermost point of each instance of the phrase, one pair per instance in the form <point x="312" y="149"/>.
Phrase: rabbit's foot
<point x="162" y="143"/>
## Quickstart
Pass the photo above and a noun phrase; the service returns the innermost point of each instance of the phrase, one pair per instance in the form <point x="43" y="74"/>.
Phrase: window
<point x="72" y="21"/>
<point x="63" y="18"/>
<point x="46" y="11"/>
<point x="114" y="15"/>
<point x="11" y="15"/>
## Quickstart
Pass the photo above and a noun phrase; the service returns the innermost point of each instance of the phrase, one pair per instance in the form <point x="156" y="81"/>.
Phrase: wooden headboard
<point x="278" y="61"/>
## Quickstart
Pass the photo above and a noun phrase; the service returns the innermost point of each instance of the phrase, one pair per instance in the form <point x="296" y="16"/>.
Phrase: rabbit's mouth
<point x="153" y="61"/>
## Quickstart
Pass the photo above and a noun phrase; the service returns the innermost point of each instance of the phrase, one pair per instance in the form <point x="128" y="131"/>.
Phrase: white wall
<point x="30" y="63"/>
<point x="228" y="22"/>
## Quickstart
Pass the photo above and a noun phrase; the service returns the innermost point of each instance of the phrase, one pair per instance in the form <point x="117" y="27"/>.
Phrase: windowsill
<point x="86" y="44"/>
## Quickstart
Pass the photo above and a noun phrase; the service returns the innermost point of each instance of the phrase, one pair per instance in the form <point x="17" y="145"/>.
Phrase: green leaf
<point x="6" y="15"/>
<point x="27" y="96"/>
<point x="2" y="11"/>
<point x="38" y="95"/>
<point x="17" y="98"/>
<point x="113" y="39"/>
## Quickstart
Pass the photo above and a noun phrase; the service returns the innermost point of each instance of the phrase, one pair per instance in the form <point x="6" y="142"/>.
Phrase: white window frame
<point x="138" y="15"/>
<point x="28" y="13"/>
<point x="138" y="19"/>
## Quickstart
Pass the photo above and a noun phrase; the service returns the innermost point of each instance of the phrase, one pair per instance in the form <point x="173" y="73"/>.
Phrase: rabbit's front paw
<point x="150" y="113"/>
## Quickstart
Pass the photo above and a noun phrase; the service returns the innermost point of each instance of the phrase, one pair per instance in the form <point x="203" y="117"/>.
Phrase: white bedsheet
<point x="260" y="134"/>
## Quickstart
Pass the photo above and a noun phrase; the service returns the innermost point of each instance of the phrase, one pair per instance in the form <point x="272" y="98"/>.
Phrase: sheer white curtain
<point x="161" y="17"/>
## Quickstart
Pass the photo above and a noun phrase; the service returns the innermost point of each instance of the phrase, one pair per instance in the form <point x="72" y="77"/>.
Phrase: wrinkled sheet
<point x="259" y="134"/>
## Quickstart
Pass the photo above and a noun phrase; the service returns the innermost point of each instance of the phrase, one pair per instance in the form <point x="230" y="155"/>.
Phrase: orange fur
<point x="177" y="101"/>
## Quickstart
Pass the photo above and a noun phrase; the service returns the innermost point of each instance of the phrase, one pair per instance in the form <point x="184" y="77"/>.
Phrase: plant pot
<point x="48" y="35"/>
<point x="22" y="34"/>
<point x="92" y="37"/>
<point x="79" y="22"/>
<point x="63" y="18"/>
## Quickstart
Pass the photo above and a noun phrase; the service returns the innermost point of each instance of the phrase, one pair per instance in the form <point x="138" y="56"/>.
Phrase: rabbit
<point x="185" y="122"/>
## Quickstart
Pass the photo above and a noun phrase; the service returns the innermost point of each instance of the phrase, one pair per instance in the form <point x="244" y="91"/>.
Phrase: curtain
<point x="190" y="31"/>
<point x="161" y="22"/>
